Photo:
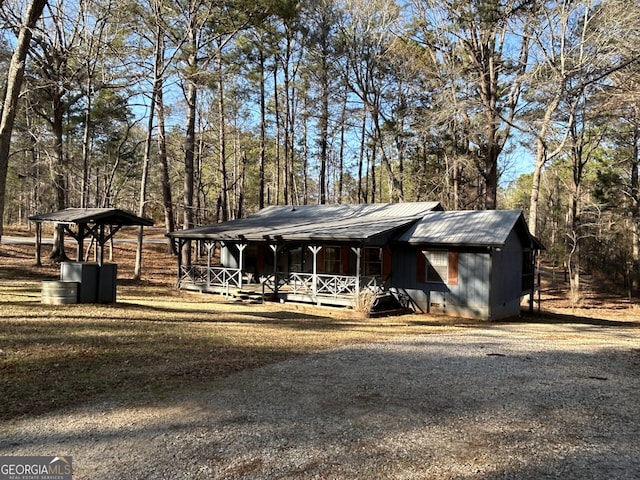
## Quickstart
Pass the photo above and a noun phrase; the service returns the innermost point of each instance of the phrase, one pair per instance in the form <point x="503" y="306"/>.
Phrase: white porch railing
<point x="327" y="285"/>
<point x="335" y="285"/>
<point x="203" y="275"/>
<point x="293" y="283"/>
<point x="300" y="283"/>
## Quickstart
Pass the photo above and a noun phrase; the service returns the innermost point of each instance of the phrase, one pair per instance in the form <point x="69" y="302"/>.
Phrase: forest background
<point x="194" y="112"/>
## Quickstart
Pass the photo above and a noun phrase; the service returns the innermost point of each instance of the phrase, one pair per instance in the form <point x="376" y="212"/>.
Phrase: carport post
<point x="80" y="242"/>
<point x="39" y="244"/>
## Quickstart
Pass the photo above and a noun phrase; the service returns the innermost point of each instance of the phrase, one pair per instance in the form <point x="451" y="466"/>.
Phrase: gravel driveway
<point x="508" y="401"/>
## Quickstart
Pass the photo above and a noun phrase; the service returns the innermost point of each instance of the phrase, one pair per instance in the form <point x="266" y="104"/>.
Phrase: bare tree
<point x="490" y="41"/>
<point x="575" y="40"/>
<point x="367" y="34"/>
<point x="12" y="92"/>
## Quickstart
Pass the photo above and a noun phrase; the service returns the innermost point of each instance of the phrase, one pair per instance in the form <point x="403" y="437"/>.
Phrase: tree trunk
<point x="396" y="184"/>
<point x="363" y="145"/>
<point x="343" y="128"/>
<point x="241" y="185"/>
<point x="57" y="252"/>
<point x="323" y="127"/>
<point x="263" y="132"/>
<point x="12" y="92"/>
<point x="277" y="113"/>
<point x="541" y="159"/>
<point x="84" y="202"/>
<point x="305" y="161"/>
<point x="224" y="186"/>
<point x="634" y="281"/>
<point x="287" y="124"/>
<point x="491" y="176"/>
<point x="167" y="200"/>
<point x="137" y="271"/>
<point x="189" y="155"/>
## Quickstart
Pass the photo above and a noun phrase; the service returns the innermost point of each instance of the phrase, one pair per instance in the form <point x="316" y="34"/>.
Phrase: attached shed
<point x="476" y="264"/>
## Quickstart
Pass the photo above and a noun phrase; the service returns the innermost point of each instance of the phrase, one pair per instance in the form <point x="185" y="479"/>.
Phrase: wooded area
<point x="194" y="112"/>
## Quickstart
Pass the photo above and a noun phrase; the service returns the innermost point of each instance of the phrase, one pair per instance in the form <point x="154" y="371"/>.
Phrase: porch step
<point x="248" y="296"/>
<point x="390" y="313"/>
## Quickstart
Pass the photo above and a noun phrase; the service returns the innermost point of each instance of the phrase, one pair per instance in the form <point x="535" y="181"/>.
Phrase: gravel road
<point x="508" y="401"/>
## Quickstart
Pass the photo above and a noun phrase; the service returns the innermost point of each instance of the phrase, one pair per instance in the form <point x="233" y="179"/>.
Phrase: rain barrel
<point x="56" y="292"/>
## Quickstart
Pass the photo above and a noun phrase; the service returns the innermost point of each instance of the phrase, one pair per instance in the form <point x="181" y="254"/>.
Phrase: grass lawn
<point x="154" y="340"/>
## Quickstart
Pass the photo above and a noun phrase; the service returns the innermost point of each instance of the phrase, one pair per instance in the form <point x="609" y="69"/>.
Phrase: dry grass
<point x="154" y="340"/>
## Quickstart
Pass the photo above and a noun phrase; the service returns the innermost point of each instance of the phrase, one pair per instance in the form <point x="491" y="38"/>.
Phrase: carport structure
<point x="82" y="223"/>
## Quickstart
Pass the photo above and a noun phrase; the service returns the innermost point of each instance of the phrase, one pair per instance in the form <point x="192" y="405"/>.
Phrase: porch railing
<point x="293" y="282"/>
<point x="203" y="275"/>
<point x="327" y="285"/>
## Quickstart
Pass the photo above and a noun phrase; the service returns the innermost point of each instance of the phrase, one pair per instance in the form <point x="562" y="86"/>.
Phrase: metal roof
<point x="104" y="216"/>
<point x="363" y="222"/>
<point x="469" y="227"/>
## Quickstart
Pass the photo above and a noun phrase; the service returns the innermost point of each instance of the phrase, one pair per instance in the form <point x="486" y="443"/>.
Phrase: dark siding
<point x="507" y="279"/>
<point x="469" y="296"/>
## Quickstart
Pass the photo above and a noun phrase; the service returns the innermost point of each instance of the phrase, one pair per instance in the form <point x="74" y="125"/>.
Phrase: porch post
<point x="314" y="276"/>
<point x="210" y="247"/>
<point x="241" y="247"/>
<point x="275" y="268"/>
<point x="180" y="245"/>
<point x="356" y="250"/>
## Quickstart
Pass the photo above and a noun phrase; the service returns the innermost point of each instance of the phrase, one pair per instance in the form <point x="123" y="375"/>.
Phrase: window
<point x="437" y="266"/>
<point x="332" y="260"/>
<point x="373" y="261"/>
<point x="295" y="259"/>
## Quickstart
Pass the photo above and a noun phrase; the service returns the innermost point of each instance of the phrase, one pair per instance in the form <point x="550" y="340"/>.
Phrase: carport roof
<point x="97" y="216"/>
<point x="346" y="223"/>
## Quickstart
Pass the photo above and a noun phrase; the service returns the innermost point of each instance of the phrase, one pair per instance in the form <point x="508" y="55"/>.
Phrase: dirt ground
<point x="507" y="401"/>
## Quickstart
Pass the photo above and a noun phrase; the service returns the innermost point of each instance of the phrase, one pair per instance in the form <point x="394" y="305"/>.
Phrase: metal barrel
<point x="56" y="292"/>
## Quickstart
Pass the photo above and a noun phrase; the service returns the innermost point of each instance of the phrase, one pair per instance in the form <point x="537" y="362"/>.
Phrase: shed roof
<point x="470" y="228"/>
<point x="364" y="222"/>
<point x="104" y="216"/>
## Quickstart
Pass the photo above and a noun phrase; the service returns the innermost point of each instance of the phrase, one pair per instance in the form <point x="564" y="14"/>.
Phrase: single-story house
<point x="476" y="264"/>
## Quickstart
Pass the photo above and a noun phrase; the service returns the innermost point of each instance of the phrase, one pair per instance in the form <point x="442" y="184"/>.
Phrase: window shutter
<point x="320" y="260"/>
<point x="453" y="268"/>
<point x="386" y="261"/>
<point x="344" y="260"/>
<point x="421" y="267"/>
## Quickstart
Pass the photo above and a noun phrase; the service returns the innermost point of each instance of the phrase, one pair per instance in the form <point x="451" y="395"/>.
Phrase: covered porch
<point x="318" y="274"/>
<point x="321" y="254"/>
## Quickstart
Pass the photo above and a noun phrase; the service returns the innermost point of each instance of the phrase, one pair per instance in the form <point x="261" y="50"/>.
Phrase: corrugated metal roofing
<point x="105" y="216"/>
<point x="315" y="222"/>
<point x="465" y="227"/>
<point x="410" y="209"/>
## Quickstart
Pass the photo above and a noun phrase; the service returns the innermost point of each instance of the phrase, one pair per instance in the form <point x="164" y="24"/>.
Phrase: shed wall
<point x="507" y="279"/>
<point x="469" y="298"/>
